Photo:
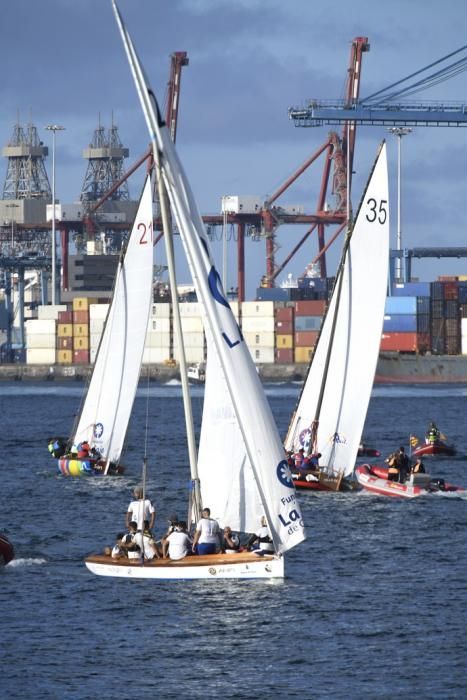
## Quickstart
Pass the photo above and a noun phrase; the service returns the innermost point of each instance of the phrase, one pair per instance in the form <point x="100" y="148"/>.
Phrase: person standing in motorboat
<point x="207" y="534"/>
<point x="139" y="511"/>
<point x="418" y="467"/>
<point x="433" y="434"/>
<point x="393" y="467"/>
<point x="403" y="464"/>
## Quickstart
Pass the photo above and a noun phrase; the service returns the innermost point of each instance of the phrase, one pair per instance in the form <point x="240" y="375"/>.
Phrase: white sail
<point x="263" y="444"/>
<point x="357" y="315"/>
<point x="227" y="480"/>
<point x="109" y="400"/>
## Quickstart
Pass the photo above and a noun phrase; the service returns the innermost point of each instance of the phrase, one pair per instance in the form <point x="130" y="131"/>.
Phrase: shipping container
<point x="160" y="310"/>
<point x="272" y="294"/>
<point x="303" y="355"/>
<point x="96" y="325"/>
<point x="80" y="329"/>
<point x="192" y="354"/>
<point x="452" y="344"/>
<point x="80" y="357"/>
<point x="40" y="327"/>
<point x="451" y="290"/>
<point x="80" y="317"/>
<point x="154" y="356"/>
<point x="316" y="283"/>
<point x="262" y="355"/>
<point x="284" y="327"/>
<point x="436" y="290"/>
<point x="255" y="309"/>
<point x="308" y="323"/>
<point x="400" y="323"/>
<point x="284" y="356"/>
<point x="265" y="339"/>
<point x="254" y="324"/>
<point x="284" y="341"/>
<point x="158" y="340"/>
<point x="41" y="340"/>
<point x="285" y="314"/>
<point x="190" y="309"/>
<point x="65" y="343"/>
<point x="64" y="330"/>
<point x="65" y="357"/>
<point x="98" y="311"/>
<point x="400" y="305"/>
<point x="437" y="308"/>
<point x="159" y="325"/>
<point x="452" y="326"/>
<point x="405" y="342"/>
<point x="94" y="340"/>
<point x="65" y="317"/>
<point x="83" y="303"/>
<point x="81" y="343"/>
<point x="451" y="308"/>
<point x="50" y="311"/>
<point x="190" y="340"/>
<point x="192" y="324"/>
<point x="310" y="308"/>
<point x="306" y="338"/>
<point x="464" y="336"/>
<point x="40" y="356"/>
<point x="423" y="323"/>
<point x="462" y="292"/>
<point x="411" y="289"/>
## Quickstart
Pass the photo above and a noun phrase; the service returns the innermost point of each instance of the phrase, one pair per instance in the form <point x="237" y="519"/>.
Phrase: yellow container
<point x="64" y="330"/>
<point x="65" y="357"/>
<point x="303" y="354"/>
<point x="83" y="303"/>
<point x="80" y="343"/>
<point x="284" y="341"/>
<point x="80" y="330"/>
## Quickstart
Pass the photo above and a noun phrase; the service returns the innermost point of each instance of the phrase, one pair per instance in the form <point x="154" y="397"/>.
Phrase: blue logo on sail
<point x="284" y="474"/>
<point x="98" y="430"/>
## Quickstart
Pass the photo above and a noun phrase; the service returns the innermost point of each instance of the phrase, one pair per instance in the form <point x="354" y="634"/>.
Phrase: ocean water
<point x="373" y="605"/>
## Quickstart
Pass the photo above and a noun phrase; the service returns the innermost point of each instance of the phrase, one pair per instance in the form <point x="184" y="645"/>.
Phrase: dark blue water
<point x="373" y="605"/>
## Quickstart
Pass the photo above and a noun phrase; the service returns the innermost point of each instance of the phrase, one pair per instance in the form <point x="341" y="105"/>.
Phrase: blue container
<point x="400" y="323"/>
<point x="400" y="305"/>
<point x="308" y="323"/>
<point x="409" y="289"/>
<point x="423" y="305"/>
<point x="316" y="283"/>
<point x="423" y="323"/>
<point x="273" y="294"/>
<point x="463" y="292"/>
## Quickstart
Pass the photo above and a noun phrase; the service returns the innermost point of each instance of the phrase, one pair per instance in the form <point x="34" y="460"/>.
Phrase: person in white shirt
<point x="261" y="541"/>
<point x="177" y="544"/>
<point x="207" y="535"/>
<point x="139" y="511"/>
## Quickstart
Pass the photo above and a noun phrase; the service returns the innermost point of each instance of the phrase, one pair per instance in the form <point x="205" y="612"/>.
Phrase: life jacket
<point x="83" y="450"/>
<point x="298" y="457"/>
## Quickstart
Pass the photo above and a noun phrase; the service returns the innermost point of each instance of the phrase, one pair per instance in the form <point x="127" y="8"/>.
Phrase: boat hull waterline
<point x="7" y="553"/>
<point x="372" y="479"/>
<point x="434" y="448"/>
<point x="212" y="566"/>
<point x="86" y="467"/>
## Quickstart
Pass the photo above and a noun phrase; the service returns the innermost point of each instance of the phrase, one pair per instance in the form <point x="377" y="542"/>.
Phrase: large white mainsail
<point x="340" y="378"/>
<point x="109" y="400"/>
<point x="263" y="444"/>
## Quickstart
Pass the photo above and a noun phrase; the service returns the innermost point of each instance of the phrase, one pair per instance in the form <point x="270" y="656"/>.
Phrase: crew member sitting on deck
<point x="299" y="457"/>
<point x="314" y="460"/>
<point x="57" y="447"/>
<point x="418" y="467"/>
<point x="177" y="544"/>
<point x="231" y="541"/>
<point x="83" y="450"/>
<point x="261" y="542"/>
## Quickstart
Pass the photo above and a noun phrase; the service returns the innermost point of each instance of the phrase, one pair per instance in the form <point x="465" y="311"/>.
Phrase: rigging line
<point x="430" y="81"/>
<point x="412" y="75"/>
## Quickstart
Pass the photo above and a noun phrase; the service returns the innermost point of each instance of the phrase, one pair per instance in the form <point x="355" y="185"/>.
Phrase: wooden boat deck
<point x="191" y="560"/>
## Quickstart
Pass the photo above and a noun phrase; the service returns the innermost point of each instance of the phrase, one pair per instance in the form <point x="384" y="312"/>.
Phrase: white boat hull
<point x="235" y="566"/>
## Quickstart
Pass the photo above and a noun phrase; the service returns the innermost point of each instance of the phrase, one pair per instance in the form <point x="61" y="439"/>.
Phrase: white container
<point x="192" y="354"/>
<point x="264" y="339"/>
<point x="160" y="310"/>
<point x="257" y="308"/>
<point x="235" y="308"/>
<point x="41" y="340"/>
<point x="157" y="340"/>
<point x="41" y="327"/>
<point x="262" y="355"/>
<point x="190" y="309"/>
<point x="257" y="324"/>
<point x="94" y="340"/>
<point x="464" y="336"/>
<point x="159" y="325"/>
<point x="192" y="324"/>
<point x="191" y="340"/>
<point x="241" y="203"/>
<point x="40" y="356"/>
<point x="98" y="312"/>
<point x="96" y="325"/>
<point x="50" y="311"/>
<point x="155" y="356"/>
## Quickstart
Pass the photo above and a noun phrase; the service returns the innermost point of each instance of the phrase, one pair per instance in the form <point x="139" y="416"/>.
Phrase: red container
<point x="450" y="290"/>
<point x="284" y="356"/>
<point x="285" y="314"/>
<point x="315" y="307"/>
<point x="81" y="317"/>
<point x="80" y="357"/>
<point x="65" y="317"/>
<point x="65" y="343"/>
<point x="284" y="327"/>
<point x="305" y="338"/>
<point x="405" y="342"/>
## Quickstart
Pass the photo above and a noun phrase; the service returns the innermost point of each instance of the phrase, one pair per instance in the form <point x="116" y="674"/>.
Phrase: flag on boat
<point x="443" y="437"/>
<point x="414" y="441"/>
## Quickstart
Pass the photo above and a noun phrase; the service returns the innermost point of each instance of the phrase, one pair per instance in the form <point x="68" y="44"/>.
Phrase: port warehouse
<point x="281" y="326"/>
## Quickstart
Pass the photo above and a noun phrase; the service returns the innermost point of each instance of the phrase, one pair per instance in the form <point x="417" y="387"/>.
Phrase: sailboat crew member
<point x="139" y="511"/>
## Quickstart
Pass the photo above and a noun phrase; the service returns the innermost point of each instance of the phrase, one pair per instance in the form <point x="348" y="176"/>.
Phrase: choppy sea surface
<point x="373" y="605"/>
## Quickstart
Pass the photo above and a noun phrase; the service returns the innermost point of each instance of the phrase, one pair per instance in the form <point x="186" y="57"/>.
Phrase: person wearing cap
<point x="139" y="511"/>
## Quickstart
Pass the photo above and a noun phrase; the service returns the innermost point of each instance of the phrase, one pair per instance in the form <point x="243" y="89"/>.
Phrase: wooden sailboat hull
<point x="211" y="566"/>
<point x="318" y="480"/>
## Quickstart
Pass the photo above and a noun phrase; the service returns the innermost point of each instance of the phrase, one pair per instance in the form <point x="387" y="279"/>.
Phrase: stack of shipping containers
<point x="158" y="338"/>
<point x="257" y="322"/>
<point x="81" y="330"/>
<point x="97" y="316"/>
<point x="193" y="334"/>
<point x="308" y="319"/>
<point x="65" y="338"/>
<point x="284" y="327"/>
<point x="41" y="335"/>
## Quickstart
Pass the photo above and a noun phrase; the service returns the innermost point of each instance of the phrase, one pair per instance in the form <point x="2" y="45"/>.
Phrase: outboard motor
<point x="438" y="484"/>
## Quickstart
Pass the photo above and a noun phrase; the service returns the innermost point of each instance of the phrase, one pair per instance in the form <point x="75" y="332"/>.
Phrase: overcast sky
<point x="250" y="60"/>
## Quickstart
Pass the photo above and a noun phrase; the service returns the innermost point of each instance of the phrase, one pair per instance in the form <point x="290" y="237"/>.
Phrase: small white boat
<point x="197" y="373"/>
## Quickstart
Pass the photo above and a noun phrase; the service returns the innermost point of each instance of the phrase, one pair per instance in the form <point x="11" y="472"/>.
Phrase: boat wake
<point x="23" y="563"/>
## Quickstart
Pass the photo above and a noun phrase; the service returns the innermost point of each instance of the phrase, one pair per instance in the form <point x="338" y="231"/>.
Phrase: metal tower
<point x="106" y="156"/>
<point x="26" y="177"/>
